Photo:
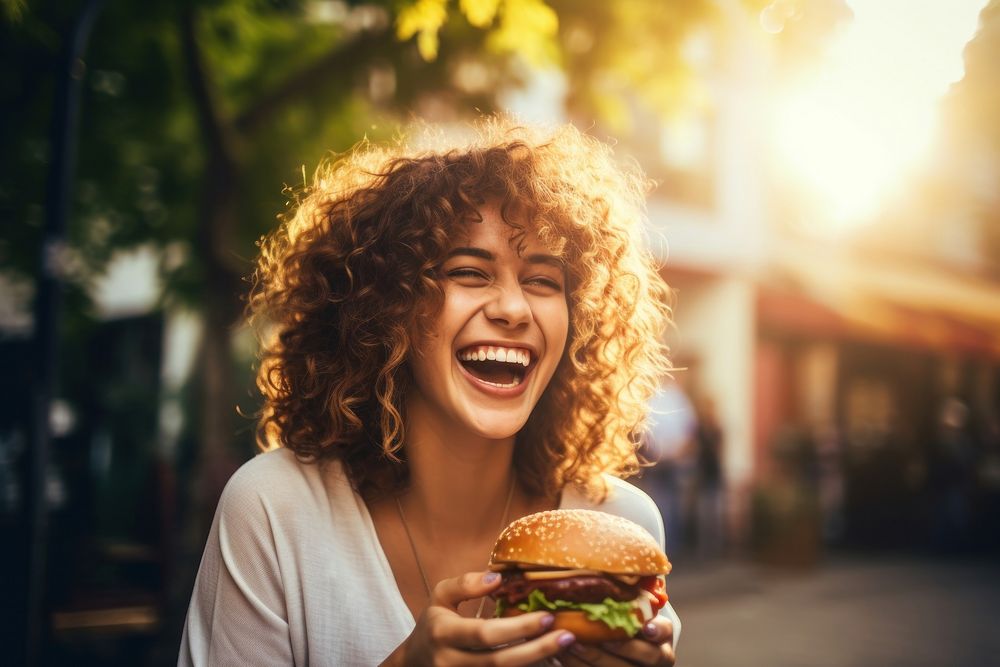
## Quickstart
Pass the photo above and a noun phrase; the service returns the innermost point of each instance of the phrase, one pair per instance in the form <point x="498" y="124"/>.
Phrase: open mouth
<point x="503" y="367"/>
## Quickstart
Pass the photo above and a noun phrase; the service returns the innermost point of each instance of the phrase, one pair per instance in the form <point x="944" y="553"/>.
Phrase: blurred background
<point x="827" y="211"/>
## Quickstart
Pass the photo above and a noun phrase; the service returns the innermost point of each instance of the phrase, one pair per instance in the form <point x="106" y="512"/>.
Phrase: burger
<point x="601" y="576"/>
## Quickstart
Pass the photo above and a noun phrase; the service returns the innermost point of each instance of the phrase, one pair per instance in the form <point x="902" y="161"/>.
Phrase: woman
<point x="457" y="337"/>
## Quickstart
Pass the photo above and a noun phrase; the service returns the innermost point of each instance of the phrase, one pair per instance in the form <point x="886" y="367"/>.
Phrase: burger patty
<point x="515" y="589"/>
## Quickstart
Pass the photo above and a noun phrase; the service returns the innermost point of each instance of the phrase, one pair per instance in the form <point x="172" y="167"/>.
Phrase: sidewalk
<point x="848" y="612"/>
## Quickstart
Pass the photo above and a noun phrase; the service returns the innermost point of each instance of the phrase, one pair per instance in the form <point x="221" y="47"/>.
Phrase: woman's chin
<point x="500" y="428"/>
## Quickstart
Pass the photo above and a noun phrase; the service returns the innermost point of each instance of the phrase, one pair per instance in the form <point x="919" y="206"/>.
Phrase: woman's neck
<point x="459" y="482"/>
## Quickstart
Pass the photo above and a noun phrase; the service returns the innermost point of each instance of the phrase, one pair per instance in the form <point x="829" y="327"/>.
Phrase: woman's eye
<point x="549" y="283"/>
<point x="467" y="274"/>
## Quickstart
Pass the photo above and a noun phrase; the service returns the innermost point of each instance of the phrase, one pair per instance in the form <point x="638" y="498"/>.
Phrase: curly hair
<point x="352" y="269"/>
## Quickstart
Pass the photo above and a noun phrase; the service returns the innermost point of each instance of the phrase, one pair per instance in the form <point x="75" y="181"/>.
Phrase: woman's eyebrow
<point x="543" y="258"/>
<point x="475" y="252"/>
<point x="534" y="258"/>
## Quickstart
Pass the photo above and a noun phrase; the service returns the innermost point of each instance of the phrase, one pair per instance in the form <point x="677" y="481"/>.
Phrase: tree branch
<point x="214" y="129"/>
<point x="341" y="60"/>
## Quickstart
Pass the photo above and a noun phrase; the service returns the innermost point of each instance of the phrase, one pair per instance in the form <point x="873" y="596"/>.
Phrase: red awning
<point x="888" y="301"/>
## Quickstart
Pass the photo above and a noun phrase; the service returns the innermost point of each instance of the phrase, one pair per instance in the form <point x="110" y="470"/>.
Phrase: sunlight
<point x="847" y="136"/>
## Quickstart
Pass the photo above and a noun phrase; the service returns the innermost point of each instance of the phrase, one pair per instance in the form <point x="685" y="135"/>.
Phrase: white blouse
<point x="293" y="572"/>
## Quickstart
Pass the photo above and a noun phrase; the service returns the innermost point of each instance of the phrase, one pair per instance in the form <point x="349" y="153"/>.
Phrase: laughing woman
<point x="454" y="337"/>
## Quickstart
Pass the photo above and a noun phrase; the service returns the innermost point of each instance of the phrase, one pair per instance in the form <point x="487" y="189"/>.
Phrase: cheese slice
<point x="559" y="574"/>
<point x="630" y="579"/>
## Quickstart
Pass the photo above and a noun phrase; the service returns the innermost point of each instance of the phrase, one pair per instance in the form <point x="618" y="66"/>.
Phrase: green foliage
<point x="424" y="19"/>
<point x="249" y="50"/>
<point x="12" y="10"/>
<point x="143" y="163"/>
<point x="479" y="13"/>
<point x="133" y="172"/>
<point x="525" y="27"/>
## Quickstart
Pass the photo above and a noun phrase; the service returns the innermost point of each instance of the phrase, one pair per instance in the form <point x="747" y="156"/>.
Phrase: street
<point x="847" y="612"/>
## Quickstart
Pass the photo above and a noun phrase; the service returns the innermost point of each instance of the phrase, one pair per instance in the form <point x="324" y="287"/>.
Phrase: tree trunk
<point x="217" y="220"/>
<point x="217" y="459"/>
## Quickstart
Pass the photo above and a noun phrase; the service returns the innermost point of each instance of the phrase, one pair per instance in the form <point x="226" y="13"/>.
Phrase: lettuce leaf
<point x="612" y="612"/>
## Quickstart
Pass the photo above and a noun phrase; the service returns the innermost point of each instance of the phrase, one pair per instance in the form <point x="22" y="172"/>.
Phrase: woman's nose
<point x="509" y="307"/>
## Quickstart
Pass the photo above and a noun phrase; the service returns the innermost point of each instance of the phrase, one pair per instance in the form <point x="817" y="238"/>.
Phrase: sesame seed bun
<point x="579" y="539"/>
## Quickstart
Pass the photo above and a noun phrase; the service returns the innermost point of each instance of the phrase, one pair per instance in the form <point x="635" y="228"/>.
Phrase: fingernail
<point x="547" y="621"/>
<point x="650" y="630"/>
<point x="490" y="577"/>
<point x="565" y="639"/>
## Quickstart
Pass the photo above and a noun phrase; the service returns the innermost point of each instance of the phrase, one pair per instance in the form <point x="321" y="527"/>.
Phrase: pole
<point x="48" y="302"/>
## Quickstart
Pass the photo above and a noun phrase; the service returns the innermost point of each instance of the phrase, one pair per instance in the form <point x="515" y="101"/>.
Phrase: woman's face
<point x="499" y="335"/>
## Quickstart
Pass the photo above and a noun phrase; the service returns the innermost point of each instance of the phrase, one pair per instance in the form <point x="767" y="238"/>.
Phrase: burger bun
<point x="579" y="539"/>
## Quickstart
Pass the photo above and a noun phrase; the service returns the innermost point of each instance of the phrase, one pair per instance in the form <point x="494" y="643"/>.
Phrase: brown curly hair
<point x="352" y="270"/>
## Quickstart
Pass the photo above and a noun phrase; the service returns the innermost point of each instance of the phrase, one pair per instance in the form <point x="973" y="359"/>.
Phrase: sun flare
<point x="847" y="136"/>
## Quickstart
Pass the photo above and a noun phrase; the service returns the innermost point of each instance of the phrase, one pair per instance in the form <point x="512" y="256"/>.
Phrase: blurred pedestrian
<point x="951" y="478"/>
<point x="988" y="484"/>
<point x="711" y="526"/>
<point x="669" y="444"/>
<point x="445" y="351"/>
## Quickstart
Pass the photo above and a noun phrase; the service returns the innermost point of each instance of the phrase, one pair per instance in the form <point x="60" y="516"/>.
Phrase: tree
<point x="194" y="113"/>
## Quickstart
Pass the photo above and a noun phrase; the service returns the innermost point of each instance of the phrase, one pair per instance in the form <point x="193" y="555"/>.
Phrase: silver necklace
<point x="416" y="557"/>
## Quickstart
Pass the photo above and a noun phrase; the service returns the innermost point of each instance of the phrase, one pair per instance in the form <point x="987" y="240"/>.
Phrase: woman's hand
<point x="443" y="637"/>
<point x="654" y="648"/>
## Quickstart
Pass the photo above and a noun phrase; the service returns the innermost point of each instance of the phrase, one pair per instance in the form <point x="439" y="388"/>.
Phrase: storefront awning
<point x="891" y="301"/>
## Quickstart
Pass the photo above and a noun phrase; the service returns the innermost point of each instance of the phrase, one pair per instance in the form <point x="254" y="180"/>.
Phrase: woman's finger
<point x="450" y="592"/>
<point x="532" y="651"/>
<point x="597" y="656"/>
<point x="659" y="631"/>
<point x="488" y="633"/>
<point x="570" y="659"/>
<point x="639" y="652"/>
<point x="655" y="647"/>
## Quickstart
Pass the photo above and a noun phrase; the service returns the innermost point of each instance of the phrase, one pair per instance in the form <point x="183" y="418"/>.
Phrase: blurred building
<point x="832" y="358"/>
<point x="110" y="491"/>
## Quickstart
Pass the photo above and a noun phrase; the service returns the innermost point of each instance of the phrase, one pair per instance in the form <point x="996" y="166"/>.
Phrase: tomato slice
<point x="657" y="587"/>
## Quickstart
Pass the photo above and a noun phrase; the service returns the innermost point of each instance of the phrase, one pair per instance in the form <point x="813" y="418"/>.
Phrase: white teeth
<point x="506" y="355"/>
<point x="503" y="386"/>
